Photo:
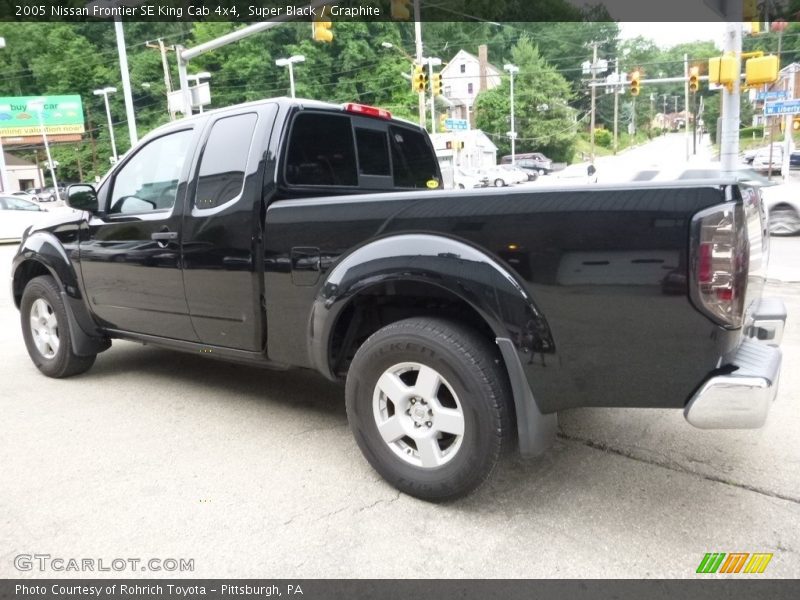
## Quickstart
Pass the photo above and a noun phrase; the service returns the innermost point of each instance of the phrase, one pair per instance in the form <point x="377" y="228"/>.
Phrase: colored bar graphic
<point x="735" y="562"/>
<point x="758" y="563"/>
<point x="711" y="562"/>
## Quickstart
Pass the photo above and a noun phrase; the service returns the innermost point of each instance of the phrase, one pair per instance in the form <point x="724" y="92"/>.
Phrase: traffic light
<point x="694" y="79"/>
<point x="436" y="84"/>
<point x="635" y="77"/>
<point x="761" y="69"/>
<point x="401" y="10"/>
<point x="796" y="123"/>
<point x="750" y="10"/>
<point x="419" y="80"/>
<point x="321" y="30"/>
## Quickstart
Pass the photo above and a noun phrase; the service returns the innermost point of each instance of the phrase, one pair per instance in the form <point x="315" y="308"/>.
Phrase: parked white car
<point x="465" y="180"/>
<point x="502" y="175"/>
<point x="761" y="160"/>
<point x="16" y="214"/>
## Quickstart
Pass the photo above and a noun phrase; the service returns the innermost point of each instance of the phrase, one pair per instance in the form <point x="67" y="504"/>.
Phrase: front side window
<point x="413" y="159"/>
<point x="222" y="168"/>
<point x="149" y="180"/>
<point x="321" y="151"/>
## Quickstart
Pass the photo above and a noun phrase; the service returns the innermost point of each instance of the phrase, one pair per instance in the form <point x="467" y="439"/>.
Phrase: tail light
<point x="720" y="261"/>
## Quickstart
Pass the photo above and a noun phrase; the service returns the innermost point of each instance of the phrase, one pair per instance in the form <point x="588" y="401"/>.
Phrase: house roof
<point x="464" y="55"/>
<point x="791" y="68"/>
<point x="16" y="161"/>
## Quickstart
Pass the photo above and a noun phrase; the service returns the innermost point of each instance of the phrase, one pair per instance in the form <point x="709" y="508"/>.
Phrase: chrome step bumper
<point x="740" y="399"/>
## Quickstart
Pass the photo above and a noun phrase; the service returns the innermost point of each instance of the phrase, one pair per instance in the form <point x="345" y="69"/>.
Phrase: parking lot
<point x="254" y="473"/>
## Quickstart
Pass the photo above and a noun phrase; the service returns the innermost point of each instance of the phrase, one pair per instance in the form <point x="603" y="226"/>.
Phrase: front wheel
<point x="427" y="402"/>
<point x="499" y="182"/>
<point x="45" y="329"/>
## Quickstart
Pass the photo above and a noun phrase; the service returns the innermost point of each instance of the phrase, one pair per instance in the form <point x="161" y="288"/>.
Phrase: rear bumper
<point x="741" y="398"/>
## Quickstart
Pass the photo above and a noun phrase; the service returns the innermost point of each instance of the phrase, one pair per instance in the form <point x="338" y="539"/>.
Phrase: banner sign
<point x="19" y="115"/>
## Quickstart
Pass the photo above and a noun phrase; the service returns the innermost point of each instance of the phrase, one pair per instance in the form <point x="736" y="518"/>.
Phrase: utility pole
<point x="418" y="44"/>
<point x="787" y="128"/>
<point x="432" y="62"/>
<point x="3" y="174"/>
<point x="593" y="68"/>
<point x="126" y="81"/>
<point x="165" y="65"/>
<point x="616" y="102"/>
<point x="104" y="92"/>
<point x="686" y="102"/>
<point x="513" y="133"/>
<point x="594" y="93"/>
<point x="652" y="112"/>
<point x="729" y="136"/>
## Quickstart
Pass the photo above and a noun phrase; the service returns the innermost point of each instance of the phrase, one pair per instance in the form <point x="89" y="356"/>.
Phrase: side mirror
<point x="82" y="196"/>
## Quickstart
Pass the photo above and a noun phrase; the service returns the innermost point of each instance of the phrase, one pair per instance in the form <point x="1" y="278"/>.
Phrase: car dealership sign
<point x="19" y="115"/>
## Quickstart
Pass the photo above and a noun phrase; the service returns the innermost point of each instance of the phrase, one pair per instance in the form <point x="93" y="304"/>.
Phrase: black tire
<point x="499" y="183"/>
<point x="469" y="365"/>
<point x="64" y="361"/>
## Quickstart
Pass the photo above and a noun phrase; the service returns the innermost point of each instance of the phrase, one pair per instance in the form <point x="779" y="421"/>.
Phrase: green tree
<point x="544" y="120"/>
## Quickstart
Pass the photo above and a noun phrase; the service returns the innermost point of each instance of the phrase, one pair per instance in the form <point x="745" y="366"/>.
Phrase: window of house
<point x="321" y="151"/>
<point x="463" y="67"/>
<point x="373" y="152"/>
<point x="469" y="88"/>
<point x="448" y="91"/>
<point x="149" y="180"/>
<point x="222" y="168"/>
<point x="413" y="160"/>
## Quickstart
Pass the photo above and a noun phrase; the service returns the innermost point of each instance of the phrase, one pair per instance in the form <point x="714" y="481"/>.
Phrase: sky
<point x="670" y="34"/>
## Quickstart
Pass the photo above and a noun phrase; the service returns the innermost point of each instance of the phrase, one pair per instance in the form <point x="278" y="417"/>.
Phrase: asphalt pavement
<point x="253" y="473"/>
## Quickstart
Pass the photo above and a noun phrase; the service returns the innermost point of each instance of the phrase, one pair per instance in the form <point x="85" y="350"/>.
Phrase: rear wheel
<point x="499" y="182"/>
<point x="45" y="329"/>
<point x="427" y="404"/>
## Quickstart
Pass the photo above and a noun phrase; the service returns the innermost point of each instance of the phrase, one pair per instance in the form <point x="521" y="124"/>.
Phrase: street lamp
<point x="104" y="92"/>
<point x="289" y="62"/>
<point x="196" y="78"/>
<point x="37" y="105"/>
<point x="513" y="133"/>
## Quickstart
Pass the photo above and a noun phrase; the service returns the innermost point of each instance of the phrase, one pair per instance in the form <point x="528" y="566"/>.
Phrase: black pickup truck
<point x="292" y="233"/>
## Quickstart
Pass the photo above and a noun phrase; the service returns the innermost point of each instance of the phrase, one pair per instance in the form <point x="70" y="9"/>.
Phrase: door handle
<point x="164" y="236"/>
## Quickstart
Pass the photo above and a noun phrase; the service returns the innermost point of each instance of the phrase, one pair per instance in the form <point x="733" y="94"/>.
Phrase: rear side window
<point x="321" y="151"/>
<point x="413" y="160"/>
<point x="224" y="162"/>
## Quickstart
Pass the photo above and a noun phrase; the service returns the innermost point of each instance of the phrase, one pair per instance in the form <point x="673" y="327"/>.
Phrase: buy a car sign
<point x="19" y="115"/>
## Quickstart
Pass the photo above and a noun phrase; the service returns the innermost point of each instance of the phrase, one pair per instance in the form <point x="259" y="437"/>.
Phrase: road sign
<point x="778" y="95"/>
<point x="787" y="107"/>
<point x="455" y="124"/>
<point x="19" y="115"/>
